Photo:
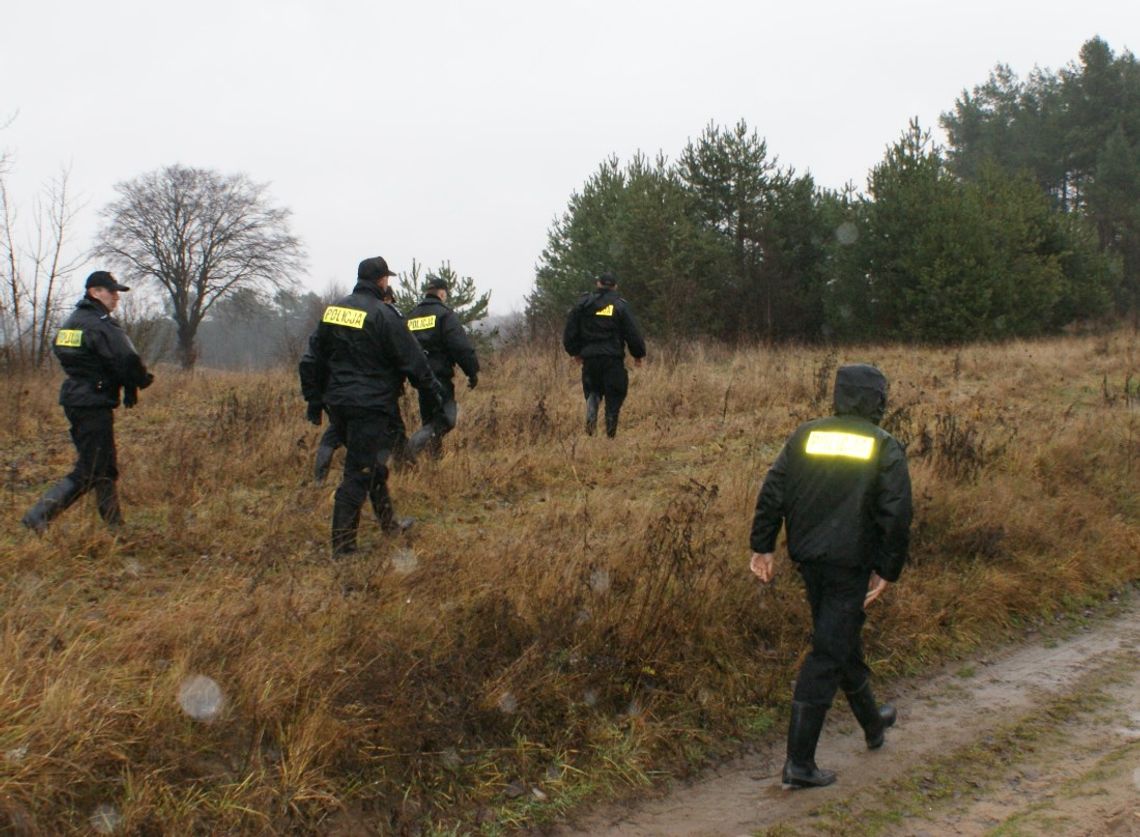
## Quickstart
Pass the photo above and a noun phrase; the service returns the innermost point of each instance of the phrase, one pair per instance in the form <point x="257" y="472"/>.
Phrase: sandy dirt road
<point x="1040" y="738"/>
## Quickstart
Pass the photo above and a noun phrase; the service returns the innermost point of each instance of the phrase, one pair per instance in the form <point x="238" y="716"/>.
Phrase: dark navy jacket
<point x="441" y="336"/>
<point x="97" y="356"/>
<point x="601" y="325"/>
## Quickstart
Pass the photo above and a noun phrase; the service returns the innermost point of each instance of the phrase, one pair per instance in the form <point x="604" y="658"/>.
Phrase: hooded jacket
<point x="97" y="356"/>
<point x="360" y="353"/>
<point x="601" y="325"/>
<point x="841" y="485"/>
<point x="441" y="336"/>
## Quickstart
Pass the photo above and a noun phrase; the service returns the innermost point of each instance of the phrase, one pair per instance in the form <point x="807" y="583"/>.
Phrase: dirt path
<point x="1043" y="738"/>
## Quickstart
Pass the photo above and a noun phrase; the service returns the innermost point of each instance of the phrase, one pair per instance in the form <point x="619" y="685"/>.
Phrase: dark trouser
<point x="369" y="435"/>
<point x="96" y="468"/>
<point x="436" y="422"/>
<point x="604" y="378"/>
<point x="331" y="440"/>
<point x="836" y="659"/>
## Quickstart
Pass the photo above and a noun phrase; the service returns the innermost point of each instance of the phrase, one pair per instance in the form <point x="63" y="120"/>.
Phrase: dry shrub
<point x="570" y="613"/>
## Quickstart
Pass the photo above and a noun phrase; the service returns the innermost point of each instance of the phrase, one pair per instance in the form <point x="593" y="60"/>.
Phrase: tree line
<point x="1026" y="221"/>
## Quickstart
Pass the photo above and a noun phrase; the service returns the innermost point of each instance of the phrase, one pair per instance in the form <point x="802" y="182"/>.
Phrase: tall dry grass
<point x="570" y="615"/>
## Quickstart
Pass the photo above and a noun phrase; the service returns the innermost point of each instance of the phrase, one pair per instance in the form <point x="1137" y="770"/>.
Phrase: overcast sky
<point x="449" y="130"/>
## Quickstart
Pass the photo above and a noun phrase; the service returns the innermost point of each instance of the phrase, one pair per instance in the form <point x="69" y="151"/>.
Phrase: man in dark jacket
<point x="100" y="361"/>
<point x="355" y="368"/>
<point x="441" y="336"/>
<point x="330" y="442"/>
<point x="598" y="330"/>
<point x="841" y="487"/>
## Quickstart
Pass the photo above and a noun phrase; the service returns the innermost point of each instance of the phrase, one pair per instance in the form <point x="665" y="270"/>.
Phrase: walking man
<point x="444" y="341"/>
<point x="100" y="362"/>
<point x="330" y="442"/>
<point x="355" y="366"/>
<point x="598" y="330"/>
<point x="842" y="489"/>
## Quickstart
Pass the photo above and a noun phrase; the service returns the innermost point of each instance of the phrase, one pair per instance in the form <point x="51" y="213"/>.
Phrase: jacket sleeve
<point x="313" y="370"/>
<point x="118" y="355"/>
<point x="893" y="511"/>
<point x="572" y="333"/>
<point x="631" y="333"/>
<point x="459" y="347"/>
<point x="405" y="350"/>
<point x="769" y="514"/>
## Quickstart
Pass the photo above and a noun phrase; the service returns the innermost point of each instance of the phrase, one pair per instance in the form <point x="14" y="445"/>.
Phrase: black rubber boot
<point x="322" y="464"/>
<point x="344" y="524"/>
<point x="592" y="414"/>
<point x="611" y="425"/>
<point x="872" y="718"/>
<point x="803" y="734"/>
<point x="55" y="500"/>
<point x="107" y="498"/>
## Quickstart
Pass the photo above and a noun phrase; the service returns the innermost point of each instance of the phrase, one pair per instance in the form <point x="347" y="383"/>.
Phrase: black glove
<point x="130" y="397"/>
<point x="314" y="412"/>
<point x="472" y="381"/>
<point x="147" y="380"/>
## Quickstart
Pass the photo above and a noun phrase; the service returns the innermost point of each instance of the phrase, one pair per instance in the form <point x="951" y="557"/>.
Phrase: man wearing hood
<point x="598" y="330"/>
<point x="100" y="362"/>
<point x="842" y="489"/>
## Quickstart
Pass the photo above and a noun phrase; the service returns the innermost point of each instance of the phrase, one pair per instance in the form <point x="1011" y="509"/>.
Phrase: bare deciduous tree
<point x="201" y="236"/>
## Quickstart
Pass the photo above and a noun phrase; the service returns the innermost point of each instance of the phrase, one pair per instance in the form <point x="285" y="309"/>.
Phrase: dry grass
<point x="572" y="615"/>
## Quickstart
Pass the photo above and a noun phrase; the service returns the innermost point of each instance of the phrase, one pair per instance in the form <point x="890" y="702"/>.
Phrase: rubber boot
<point x="803" y="734"/>
<point x="592" y="413"/>
<point x="107" y="499"/>
<point x="55" y="500"/>
<point x="611" y="425"/>
<point x="323" y="464"/>
<point x="344" y="524"/>
<point x="872" y="718"/>
<point x="419" y="440"/>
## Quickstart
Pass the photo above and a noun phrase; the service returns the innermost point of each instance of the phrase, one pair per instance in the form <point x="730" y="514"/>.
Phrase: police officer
<point x="355" y="366"/>
<point x="841" y="487"/>
<point x="330" y="442"/>
<point x="100" y="362"/>
<point x="598" y="330"/>
<point x="444" y="341"/>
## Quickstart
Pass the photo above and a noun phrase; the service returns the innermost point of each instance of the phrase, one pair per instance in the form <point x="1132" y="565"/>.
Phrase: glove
<point x="439" y="392"/>
<point x="314" y="412"/>
<point x="130" y="397"/>
<point x="147" y="380"/>
<point x="472" y="381"/>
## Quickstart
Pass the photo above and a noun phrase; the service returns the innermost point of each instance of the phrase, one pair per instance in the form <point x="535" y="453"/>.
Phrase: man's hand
<point x="763" y="565"/>
<point x="313" y="412"/>
<point x="472" y="381"/>
<point x="130" y="397"/>
<point x="875" y="588"/>
<point x="147" y="380"/>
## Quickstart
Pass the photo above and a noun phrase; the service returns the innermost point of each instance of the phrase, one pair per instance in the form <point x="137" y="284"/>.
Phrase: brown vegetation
<point x="570" y="615"/>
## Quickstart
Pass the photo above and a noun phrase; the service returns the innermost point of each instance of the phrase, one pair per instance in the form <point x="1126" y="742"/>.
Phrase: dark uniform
<point x="598" y="330"/>
<point x="355" y="367"/>
<point x="442" y="337"/>
<point x="330" y="441"/>
<point x="100" y="362"/>
<point x="841" y="487"/>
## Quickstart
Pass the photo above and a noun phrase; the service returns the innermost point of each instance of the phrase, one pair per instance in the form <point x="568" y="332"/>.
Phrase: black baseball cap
<point x="435" y="283"/>
<point x="607" y="280"/>
<point x="103" y="279"/>
<point x="374" y="268"/>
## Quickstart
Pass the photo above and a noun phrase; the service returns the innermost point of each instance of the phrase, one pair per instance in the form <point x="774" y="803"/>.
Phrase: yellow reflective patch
<point x="72" y="337"/>
<point x="849" y="445"/>
<point x="608" y="311"/>
<point x="421" y="323"/>
<point x="351" y="317"/>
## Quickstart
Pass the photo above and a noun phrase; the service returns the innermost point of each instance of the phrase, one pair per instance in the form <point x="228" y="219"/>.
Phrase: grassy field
<point x="570" y="617"/>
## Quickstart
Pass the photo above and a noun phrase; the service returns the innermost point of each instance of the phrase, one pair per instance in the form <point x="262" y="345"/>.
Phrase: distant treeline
<point x="1028" y="221"/>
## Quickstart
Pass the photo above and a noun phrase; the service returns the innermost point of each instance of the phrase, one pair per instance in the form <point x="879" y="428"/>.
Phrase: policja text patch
<point x="421" y="323"/>
<point x="848" y="445"/>
<point x="72" y="337"/>
<point x="351" y="317"/>
<point x="608" y="311"/>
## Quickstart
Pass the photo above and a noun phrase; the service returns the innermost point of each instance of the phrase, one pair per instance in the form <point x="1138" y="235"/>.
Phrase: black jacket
<point x="443" y="339"/>
<point x="360" y="354"/>
<point x="841" y="485"/>
<point x="98" y="357"/>
<point x="601" y="325"/>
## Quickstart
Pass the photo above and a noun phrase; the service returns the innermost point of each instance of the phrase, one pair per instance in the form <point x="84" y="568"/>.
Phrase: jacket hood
<point x="861" y="390"/>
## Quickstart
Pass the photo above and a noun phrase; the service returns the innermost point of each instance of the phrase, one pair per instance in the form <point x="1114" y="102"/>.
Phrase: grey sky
<point x="449" y="130"/>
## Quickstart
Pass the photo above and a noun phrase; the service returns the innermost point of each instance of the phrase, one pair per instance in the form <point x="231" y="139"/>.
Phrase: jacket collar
<point x="94" y="304"/>
<point x="369" y="288"/>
